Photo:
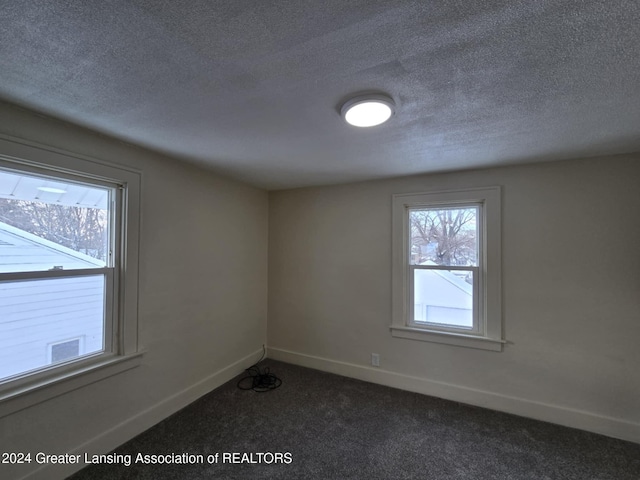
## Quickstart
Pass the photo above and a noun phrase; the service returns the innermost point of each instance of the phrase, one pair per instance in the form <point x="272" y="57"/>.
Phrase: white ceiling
<point x="252" y="89"/>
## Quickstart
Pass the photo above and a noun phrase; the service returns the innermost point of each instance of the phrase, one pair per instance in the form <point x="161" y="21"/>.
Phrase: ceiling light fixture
<point x="51" y="190"/>
<point x="368" y="110"/>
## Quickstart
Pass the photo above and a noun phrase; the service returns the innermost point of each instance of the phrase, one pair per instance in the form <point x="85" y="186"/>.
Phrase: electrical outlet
<point x="375" y="359"/>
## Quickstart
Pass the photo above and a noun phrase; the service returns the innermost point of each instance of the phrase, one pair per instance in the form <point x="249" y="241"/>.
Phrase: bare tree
<point x="444" y="236"/>
<point x="79" y="228"/>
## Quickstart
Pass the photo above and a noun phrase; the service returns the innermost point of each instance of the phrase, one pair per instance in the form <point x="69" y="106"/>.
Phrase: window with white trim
<point x="68" y="234"/>
<point x="446" y="268"/>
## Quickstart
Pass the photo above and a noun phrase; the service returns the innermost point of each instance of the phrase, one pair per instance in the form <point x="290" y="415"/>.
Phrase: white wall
<point x="202" y="300"/>
<point x="571" y="283"/>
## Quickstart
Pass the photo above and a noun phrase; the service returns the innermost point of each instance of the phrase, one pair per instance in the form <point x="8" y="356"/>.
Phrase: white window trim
<point x="126" y="354"/>
<point x="489" y="335"/>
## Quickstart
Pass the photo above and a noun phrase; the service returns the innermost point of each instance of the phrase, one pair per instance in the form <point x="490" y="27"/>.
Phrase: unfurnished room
<point x="334" y="239"/>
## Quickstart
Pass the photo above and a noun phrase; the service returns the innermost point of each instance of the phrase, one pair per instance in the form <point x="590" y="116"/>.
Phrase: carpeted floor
<point x="330" y="427"/>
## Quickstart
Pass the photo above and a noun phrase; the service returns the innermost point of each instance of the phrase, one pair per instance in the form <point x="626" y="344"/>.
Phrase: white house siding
<point x="21" y="257"/>
<point x="35" y="314"/>
<point x="441" y="297"/>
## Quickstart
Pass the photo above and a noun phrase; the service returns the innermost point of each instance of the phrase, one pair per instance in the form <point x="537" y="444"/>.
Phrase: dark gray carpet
<point x="339" y="428"/>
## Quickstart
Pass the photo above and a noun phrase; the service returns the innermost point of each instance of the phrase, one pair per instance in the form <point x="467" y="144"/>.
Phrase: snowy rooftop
<point x="21" y="251"/>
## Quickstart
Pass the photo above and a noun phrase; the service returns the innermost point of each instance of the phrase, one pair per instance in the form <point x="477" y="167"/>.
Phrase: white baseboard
<point x="126" y="430"/>
<point x="583" y="420"/>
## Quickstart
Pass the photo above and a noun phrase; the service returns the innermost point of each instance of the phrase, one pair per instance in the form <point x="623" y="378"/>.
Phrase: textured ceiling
<point x="253" y="88"/>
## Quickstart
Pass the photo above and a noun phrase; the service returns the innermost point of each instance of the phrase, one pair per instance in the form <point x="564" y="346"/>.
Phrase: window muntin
<point x="57" y="268"/>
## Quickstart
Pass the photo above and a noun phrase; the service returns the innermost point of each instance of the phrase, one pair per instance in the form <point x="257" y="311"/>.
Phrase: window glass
<point x="52" y="224"/>
<point x="443" y="297"/>
<point x="444" y="236"/>
<point x="52" y="230"/>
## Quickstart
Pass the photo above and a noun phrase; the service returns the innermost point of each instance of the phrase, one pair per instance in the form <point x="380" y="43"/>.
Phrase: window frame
<point x="486" y="332"/>
<point x="122" y="350"/>
<point x="108" y="271"/>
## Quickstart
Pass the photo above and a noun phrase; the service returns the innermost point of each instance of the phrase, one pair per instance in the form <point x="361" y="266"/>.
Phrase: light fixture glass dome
<point x="52" y="190"/>
<point x="368" y="110"/>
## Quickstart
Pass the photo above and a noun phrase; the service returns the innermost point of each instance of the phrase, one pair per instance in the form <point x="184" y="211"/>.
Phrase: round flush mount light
<point x="368" y="110"/>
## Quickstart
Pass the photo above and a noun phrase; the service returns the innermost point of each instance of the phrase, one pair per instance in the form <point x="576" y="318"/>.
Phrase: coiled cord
<point x="259" y="380"/>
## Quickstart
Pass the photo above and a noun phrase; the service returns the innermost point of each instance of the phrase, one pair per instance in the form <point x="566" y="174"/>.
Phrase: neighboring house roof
<point x="455" y="280"/>
<point x="22" y="251"/>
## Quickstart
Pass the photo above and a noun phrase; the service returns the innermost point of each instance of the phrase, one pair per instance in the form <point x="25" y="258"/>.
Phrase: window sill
<point x="457" y="339"/>
<point x="30" y="393"/>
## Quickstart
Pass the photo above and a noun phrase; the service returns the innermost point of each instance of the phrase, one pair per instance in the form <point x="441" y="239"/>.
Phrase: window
<point x="68" y="234"/>
<point x="57" y="266"/>
<point x="446" y="268"/>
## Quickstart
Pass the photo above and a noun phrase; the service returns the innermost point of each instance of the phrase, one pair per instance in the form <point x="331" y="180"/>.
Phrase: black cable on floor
<point x="259" y="380"/>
